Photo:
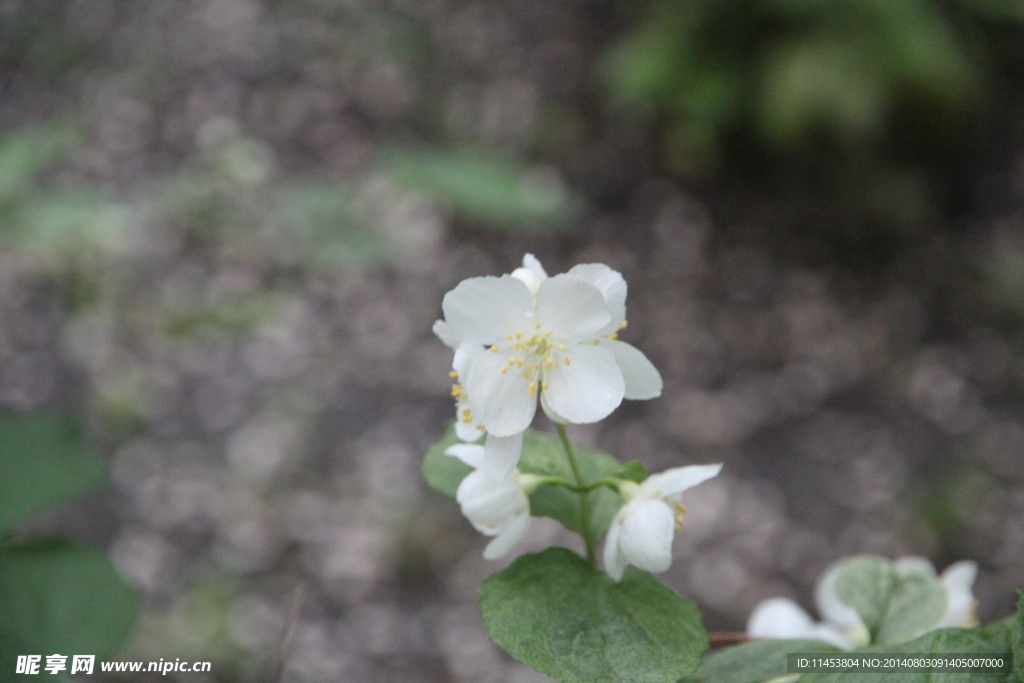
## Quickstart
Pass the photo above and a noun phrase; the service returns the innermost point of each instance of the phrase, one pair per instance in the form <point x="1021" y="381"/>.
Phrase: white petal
<point x="487" y="501"/>
<point x="552" y="415"/>
<point x="830" y="606"/>
<point x="958" y="580"/>
<point x="530" y="262"/>
<point x="500" y="400"/>
<point x="643" y="381"/>
<point x="471" y="454"/>
<point x="508" y="537"/>
<point x="613" y="289"/>
<point x="647" y="530"/>
<point x="588" y="389"/>
<point x="481" y="310"/>
<point x="464" y="355"/>
<point x="446" y="333"/>
<point x="529" y="278"/>
<point x="614" y="560"/>
<point x="467" y="431"/>
<point x="502" y="454"/>
<point x="780" y="618"/>
<point x="571" y="308"/>
<point x="677" y="480"/>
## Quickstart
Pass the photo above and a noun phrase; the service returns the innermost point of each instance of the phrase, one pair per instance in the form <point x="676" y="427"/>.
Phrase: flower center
<point x="678" y="512"/>
<point x="533" y="355"/>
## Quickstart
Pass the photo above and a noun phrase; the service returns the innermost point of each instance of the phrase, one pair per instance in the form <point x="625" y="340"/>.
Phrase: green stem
<point x="588" y="533"/>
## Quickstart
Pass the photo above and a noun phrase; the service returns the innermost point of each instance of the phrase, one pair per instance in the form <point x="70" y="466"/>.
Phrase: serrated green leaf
<point x="43" y="461"/>
<point x="543" y="454"/>
<point x="754" y="662"/>
<point x="444" y="473"/>
<point x="894" y="604"/>
<point x="551" y="612"/>
<point x="992" y="639"/>
<point x="59" y="598"/>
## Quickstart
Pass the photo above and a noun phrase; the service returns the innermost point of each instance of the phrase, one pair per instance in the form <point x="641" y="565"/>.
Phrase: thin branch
<point x="288" y="631"/>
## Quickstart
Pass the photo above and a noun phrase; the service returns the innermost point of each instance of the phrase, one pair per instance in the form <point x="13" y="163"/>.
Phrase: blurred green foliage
<point x="55" y="597"/>
<point x="853" y="85"/>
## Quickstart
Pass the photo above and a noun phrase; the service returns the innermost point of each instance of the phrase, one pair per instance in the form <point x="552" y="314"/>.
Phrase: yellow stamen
<point x="544" y="385"/>
<point x="453" y="374"/>
<point x="625" y="323"/>
<point x="508" y="336"/>
<point x="549" y="333"/>
<point x="568" y="360"/>
<point x="494" y="349"/>
<point x="519" y="335"/>
<point x="613" y="335"/>
<point x="503" y="369"/>
<point x="561" y="347"/>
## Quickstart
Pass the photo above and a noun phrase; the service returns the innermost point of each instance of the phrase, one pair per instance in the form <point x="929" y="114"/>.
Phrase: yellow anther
<point x="561" y="347"/>
<point x="613" y="335"/>
<point x="678" y="513"/>
<point x="457" y="390"/>
<point x="494" y="349"/>
<point x="508" y="336"/>
<point x="537" y="324"/>
<point x="520" y="361"/>
<point x="511" y="360"/>
<point x="519" y="335"/>
<point x="526" y="375"/>
<point x="544" y="386"/>
<point x="453" y="374"/>
<point x="532" y="389"/>
<point x="503" y="369"/>
<point x="625" y="323"/>
<point x="549" y="333"/>
<point x="481" y="428"/>
<point x="548" y="364"/>
<point x="467" y="415"/>
<point x="547" y="357"/>
<point x="568" y="360"/>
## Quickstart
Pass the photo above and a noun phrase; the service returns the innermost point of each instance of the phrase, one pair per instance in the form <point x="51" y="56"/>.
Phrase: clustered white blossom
<point x="842" y="626"/>
<point x="525" y="338"/>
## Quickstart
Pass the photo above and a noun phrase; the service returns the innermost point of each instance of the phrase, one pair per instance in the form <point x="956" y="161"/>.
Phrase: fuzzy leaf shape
<point x="543" y="454"/>
<point x="59" y="598"/>
<point x="444" y="473"/>
<point x="992" y="639"/>
<point x="754" y="662"/>
<point x="894" y="604"/>
<point x="43" y="462"/>
<point x="552" y="612"/>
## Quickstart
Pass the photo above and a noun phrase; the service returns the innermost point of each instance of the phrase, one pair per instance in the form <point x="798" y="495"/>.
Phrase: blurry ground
<point x="264" y="401"/>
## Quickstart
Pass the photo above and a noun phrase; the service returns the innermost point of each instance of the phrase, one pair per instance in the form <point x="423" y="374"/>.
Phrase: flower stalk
<point x="588" y="532"/>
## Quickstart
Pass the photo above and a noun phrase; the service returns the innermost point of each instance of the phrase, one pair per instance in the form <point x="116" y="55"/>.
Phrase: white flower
<point x="841" y="625"/>
<point x="641" y="532"/>
<point x="501" y="452"/>
<point x="526" y="334"/>
<point x="498" y="507"/>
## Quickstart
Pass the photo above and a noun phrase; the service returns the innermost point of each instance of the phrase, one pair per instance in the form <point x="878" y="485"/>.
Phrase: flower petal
<point x="501" y="402"/>
<point x="958" y="580"/>
<point x="647" y="530"/>
<point x="446" y="334"/>
<point x="471" y="454"/>
<point x="464" y="355"/>
<point x="643" y="381"/>
<point x="677" y="480"/>
<point x="588" y="389"/>
<point x="913" y="563"/>
<point x="570" y="307"/>
<point x="508" y="537"/>
<point x="532" y="263"/>
<point x="467" y="431"/>
<point x="779" y="618"/>
<point x="487" y="501"/>
<point x="502" y="454"/>
<point x="613" y="289"/>
<point x="614" y="560"/>
<point x="482" y="309"/>
<point x="552" y="415"/>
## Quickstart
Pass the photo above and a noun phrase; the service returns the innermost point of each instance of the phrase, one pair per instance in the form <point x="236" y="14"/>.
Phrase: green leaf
<point x="59" y="598"/>
<point x="484" y="187"/>
<point x="634" y="470"/>
<point x="552" y="612"/>
<point x="895" y="604"/>
<point x="543" y="454"/>
<point x="443" y="473"/>
<point x="1018" y="639"/>
<point x="992" y="639"/>
<point x="43" y="461"/>
<point x="754" y="662"/>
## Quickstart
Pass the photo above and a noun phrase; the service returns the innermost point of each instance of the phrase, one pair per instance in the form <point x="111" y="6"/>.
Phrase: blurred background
<point x="226" y="227"/>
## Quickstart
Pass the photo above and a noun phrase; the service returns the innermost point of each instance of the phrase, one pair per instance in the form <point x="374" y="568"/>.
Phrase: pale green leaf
<point x="754" y="662"/>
